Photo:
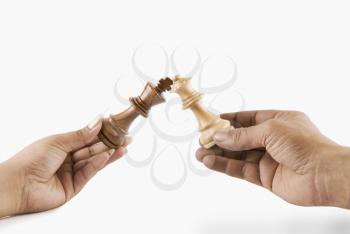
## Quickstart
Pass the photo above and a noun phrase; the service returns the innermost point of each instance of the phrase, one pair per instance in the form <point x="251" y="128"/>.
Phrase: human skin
<point x="51" y="171"/>
<point x="284" y="152"/>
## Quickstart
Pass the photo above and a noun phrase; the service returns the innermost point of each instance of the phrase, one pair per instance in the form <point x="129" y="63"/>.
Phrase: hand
<point x="51" y="171"/>
<point x="284" y="152"/>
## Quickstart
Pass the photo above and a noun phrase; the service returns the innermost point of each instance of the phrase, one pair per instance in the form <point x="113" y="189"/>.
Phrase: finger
<point x="76" y="140"/>
<point x="78" y="165"/>
<point x="89" y="151"/>
<point x="127" y="141"/>
<point x="252" y="156"/>
<point x="268" y="167"/>
<point x="117" y="155"/>
<point x="95" y="140"/>
<point x="202" y="152"/>
<point x="240" y="139"/>
<point x="90" y="168"/>
<point x="232" y="167"/>
<point x="250" y="118"/>
<point x="64" y="173"/>
<point x="82" y="163"/>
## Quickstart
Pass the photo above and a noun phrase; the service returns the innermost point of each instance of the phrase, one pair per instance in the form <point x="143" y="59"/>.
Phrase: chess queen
<point x="207" y="121"/>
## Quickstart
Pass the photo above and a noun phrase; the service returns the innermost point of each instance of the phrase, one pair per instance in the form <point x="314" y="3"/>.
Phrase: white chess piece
<point x="207" y="121"/>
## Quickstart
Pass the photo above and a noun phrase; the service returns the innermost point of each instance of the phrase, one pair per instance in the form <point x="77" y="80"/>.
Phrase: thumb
<point x="78" y="139"/>
<point x="239" y="139"/>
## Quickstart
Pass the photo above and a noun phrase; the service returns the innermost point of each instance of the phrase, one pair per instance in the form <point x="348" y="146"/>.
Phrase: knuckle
<point x="199" y="154"/>
<point x="237" y="134"/>
<point x="80" y="133"/>
<point x="93" y="166"/>
<point x="272" y="125"/>
<point x="81" y="136"/>
<point x="244" y="171"/>
<point x="211" y="164"/>
<point x="271" y="129"/>
<point x="84" y="174"/>
<point x="230" y="169"/>
<point x="298" y="113"/>
<point x="54" y="142"/>
<point x="91" y="151"/>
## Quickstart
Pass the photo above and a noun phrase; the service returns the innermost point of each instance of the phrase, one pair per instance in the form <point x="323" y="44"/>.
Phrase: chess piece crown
<point x="115" y="127"/>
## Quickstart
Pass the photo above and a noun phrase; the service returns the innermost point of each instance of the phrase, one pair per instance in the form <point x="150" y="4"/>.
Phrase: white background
<point x="59" y="61"/>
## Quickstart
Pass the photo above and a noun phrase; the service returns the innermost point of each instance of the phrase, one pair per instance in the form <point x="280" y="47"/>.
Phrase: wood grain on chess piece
<point x="115" y="127"/>
<point x="207" y="121"/>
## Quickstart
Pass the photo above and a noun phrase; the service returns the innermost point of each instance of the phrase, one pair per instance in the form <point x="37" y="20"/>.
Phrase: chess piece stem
<point x="207" y="121"/>
<point x="115" y="127"/>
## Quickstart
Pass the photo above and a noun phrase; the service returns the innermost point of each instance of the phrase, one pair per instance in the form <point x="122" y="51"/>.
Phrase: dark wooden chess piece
<point x="115" y="127"/>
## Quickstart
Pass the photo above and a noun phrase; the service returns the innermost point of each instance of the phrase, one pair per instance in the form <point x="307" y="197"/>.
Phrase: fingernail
<point x="94" y="122"/>
<point x="111" y="151"/>
<point x="220" y="136"/>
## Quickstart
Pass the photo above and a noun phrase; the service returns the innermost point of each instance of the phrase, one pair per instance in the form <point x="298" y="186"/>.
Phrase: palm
<point x="285" y="182"/>
<point x="53" y="187"/>
<point x="44" y="196"/>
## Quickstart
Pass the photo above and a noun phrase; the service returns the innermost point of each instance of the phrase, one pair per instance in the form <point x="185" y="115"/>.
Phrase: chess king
<point x="115" y="128"/>
<point x="207" y="121"/>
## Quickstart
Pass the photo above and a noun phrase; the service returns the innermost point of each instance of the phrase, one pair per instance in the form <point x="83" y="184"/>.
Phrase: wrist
<point x="10" y="191"/>
<point x="334" y="175"/>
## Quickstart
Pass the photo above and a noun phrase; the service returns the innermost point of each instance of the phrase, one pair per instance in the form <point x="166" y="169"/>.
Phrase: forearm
<point x="334" y="178"/>
<point x="10" y="191"/>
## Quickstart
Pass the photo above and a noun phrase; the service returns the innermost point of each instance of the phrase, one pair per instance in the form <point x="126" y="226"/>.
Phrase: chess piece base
<point x="206" y="138"/>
